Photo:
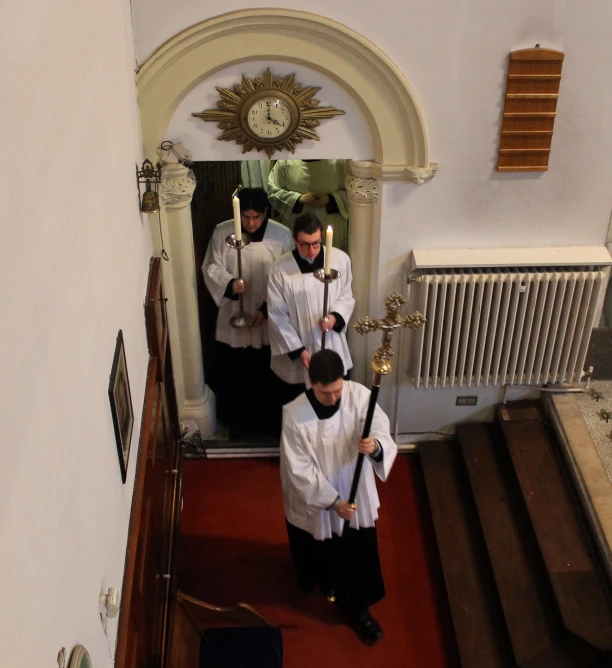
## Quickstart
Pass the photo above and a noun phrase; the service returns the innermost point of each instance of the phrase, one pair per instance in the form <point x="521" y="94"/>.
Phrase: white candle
<point x="237" y="225"/>
<point x="329" y="236"/>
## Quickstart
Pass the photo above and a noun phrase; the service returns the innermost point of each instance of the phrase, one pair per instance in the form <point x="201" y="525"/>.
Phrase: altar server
<point x="320" y="443"/>
<point x="312" y="186"/>
<point x="295" y="307"/>
<point x="242" y="361"/>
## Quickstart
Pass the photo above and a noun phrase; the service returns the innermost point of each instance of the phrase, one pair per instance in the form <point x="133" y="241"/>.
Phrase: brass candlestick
<point x="326" y="279"/>
<point x="241" y="319"/>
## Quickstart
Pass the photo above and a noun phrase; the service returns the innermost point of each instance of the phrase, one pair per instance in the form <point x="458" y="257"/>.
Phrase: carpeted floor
<point x="233" y="548"/>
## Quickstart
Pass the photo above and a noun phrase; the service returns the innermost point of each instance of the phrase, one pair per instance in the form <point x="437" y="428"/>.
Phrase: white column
<point x="194" y="398"/>
<point x="363" y="188"/>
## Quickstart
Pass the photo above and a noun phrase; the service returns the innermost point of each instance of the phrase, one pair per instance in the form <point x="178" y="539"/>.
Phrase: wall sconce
<point x="149" y="202"/>
<point x="149" y="176"/>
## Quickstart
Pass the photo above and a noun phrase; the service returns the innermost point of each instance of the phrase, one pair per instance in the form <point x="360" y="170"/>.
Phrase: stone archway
<point x="386" y="99"/>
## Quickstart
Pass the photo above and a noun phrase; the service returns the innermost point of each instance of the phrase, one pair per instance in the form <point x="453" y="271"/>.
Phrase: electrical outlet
<point x="466" y="401"/>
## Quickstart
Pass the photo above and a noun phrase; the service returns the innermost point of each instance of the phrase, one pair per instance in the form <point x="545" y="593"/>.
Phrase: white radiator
<point x="503" y="325"/>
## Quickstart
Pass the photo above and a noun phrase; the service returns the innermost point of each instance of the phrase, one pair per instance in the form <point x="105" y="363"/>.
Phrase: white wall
<point x="74" y="263"/>
<point x="454" y="55"/>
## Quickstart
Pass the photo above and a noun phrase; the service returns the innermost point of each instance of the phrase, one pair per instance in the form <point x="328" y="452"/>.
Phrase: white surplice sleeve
<point x="380" y="431"/>
<point x="303" y="479"/>
<point x="214" y="269"/>
<point x="283" y="336"/>
<point x="344" y="303"/>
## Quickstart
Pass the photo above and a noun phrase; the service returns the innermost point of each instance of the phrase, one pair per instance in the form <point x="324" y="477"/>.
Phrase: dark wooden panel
<point x="475" y="617"/>
<point x="530" y="626"/>
<point x="156" y="320"/>
<point x="211" y="205"/>
<point x="145" y="598"/>
<point x="571" y="566"/>
<point x="136" y="641"/>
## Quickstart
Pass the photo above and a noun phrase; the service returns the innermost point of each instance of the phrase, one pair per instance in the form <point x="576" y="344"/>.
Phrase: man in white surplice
<point x="295" y="308"/>
<point x="320" y="442"/>
<point x="312" y="186"/>
<point x="244" y="353"/>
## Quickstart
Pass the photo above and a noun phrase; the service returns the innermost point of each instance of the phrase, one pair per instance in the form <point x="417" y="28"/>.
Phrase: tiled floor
<point x="594" y="404"/>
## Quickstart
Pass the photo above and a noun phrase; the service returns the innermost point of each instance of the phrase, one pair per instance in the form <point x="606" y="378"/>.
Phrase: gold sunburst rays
<point x="303" y="112"/>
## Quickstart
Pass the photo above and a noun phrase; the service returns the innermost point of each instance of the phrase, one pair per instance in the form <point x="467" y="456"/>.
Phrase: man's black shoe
<point x="367" y="628"/>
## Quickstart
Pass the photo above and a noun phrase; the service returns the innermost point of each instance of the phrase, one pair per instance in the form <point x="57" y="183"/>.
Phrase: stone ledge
<point x="593" y="484"/>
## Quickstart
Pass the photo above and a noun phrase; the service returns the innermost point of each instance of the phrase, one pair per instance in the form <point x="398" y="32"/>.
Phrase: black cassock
<point x="347" y="566"/>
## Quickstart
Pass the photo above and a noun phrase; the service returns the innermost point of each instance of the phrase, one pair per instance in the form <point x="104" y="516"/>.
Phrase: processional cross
<point x="380" y="364"/>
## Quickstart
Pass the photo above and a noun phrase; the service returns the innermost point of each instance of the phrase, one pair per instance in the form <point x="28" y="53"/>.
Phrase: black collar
<point x="258" y="235"/>
<point x="323" y="412"/>
<point x="304" y="266"/>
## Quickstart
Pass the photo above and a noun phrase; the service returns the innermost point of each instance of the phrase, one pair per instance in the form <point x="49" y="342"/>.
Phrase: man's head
<point x="307" y="235"/>
<point x="326" y="371"/>
<point x="254" y="208"/>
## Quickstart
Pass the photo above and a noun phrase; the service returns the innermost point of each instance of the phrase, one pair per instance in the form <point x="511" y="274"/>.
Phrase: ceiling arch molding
<point x="391" y="108"/>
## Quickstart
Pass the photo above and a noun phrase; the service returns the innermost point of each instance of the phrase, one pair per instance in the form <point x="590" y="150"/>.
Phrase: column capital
<point x="362" y="191"/>
<point x="177" y="185"/>
<point x="363" y="182"/>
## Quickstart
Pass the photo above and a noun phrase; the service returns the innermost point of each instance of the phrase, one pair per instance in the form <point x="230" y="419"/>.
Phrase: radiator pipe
<point x="536" y="388"/>
<point x="411" y="278"/>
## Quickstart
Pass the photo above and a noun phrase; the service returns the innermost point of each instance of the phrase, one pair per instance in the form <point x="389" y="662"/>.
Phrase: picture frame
<point x="121" y="405"/>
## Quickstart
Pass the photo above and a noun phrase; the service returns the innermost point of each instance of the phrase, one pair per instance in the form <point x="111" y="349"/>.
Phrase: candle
<point x="329" y="235"/>
<point x="237" y="225"/>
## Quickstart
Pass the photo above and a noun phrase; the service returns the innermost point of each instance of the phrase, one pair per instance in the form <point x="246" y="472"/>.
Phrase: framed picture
<point x="121" y="405"/>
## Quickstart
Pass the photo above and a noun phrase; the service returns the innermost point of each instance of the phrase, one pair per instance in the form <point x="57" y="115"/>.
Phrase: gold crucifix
<point x="380" y="364"/>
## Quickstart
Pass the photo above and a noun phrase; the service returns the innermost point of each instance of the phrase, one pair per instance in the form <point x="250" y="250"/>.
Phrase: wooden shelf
<point x="526" y="132"/>
<point x="524" y="150"/>
<point x="529" y="114"/>
<point x="532" y="96"/>
<point x="530" y="108"/>
<point x="521" y="169"/>
<point x="535" y="77"/>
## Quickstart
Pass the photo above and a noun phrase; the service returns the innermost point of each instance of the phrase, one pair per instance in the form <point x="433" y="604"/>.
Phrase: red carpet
<point x="233" y="547"/>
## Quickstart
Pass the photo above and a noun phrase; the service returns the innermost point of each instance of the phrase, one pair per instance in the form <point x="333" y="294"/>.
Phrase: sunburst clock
<point x="268" y="113"/>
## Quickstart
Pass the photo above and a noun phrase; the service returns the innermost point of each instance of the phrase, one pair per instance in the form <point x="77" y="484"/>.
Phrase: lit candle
<point x="329" y="235"/>
<point x="237" y="225"/>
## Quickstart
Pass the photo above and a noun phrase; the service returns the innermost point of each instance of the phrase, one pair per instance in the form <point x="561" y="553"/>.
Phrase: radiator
<point x="498" y="326"/>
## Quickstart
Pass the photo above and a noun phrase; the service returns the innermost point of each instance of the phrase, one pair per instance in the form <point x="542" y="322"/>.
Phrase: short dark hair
<point x="254" y="199"/>
<point x="307" y="223"/>
<point x="325" y="367"/>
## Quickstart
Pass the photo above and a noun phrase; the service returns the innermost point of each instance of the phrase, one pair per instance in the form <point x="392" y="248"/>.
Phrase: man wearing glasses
<point x="295" y="308"/>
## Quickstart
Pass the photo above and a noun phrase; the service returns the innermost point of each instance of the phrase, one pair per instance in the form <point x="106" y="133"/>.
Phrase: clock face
<point x="268" y="113"/>
<point x="269" y="117"/>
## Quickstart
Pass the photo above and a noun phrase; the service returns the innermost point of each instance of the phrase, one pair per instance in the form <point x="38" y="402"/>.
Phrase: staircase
<point x="523" y="582"/>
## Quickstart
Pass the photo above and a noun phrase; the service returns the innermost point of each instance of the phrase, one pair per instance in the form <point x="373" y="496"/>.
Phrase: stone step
<point x="514" y="559"/>
<point x="572" y="568"/>
<point x="481" y="638"/>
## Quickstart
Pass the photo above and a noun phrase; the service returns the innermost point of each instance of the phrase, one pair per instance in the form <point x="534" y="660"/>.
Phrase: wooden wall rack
<point x="530" y="107"/>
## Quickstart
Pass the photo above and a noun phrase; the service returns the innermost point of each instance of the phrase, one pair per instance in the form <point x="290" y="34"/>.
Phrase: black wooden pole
<point x="366" y="432"/>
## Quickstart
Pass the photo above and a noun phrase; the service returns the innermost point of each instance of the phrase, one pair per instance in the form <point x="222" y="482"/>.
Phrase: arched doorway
<point x="395" y="121"/>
